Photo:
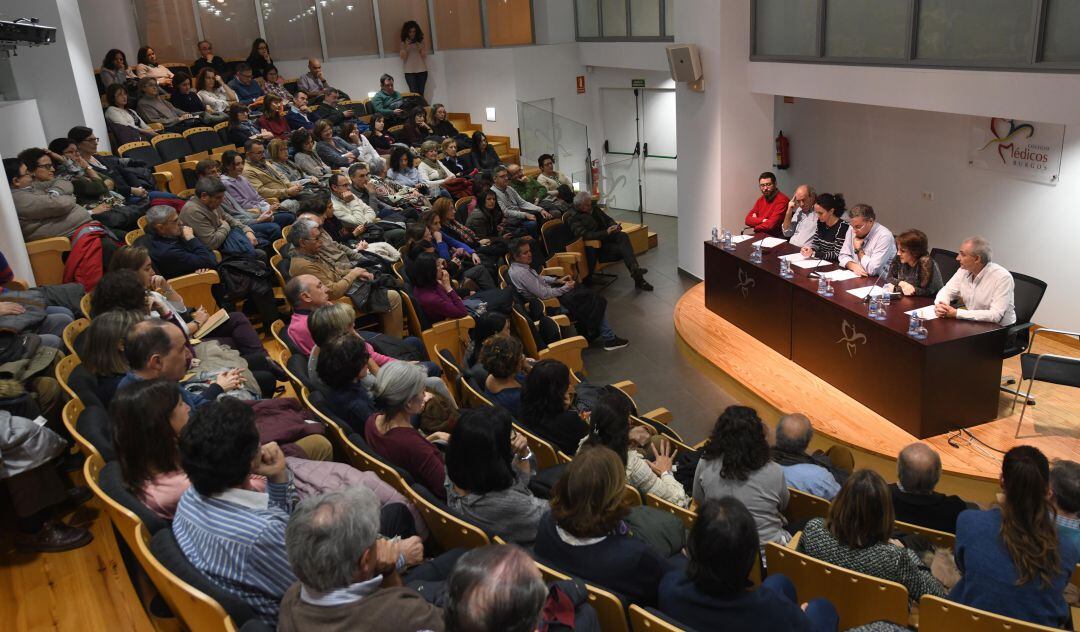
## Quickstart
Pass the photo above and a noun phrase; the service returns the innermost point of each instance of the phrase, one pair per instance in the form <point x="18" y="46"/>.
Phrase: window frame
<point x="629" y="26"/>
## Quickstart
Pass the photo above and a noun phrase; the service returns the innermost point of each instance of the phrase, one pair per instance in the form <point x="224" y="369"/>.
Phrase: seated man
<point x="800" y="221"/>
<point x="212" y="225"/>
<point x="984" y="287"/>
<point x="298" y="115"/>
<point x="359" y="185"/>
<point x="357" y="216"/>
<point x="516" y="210"/>
<point x="157" y="348"/>
<point x="306" y="294"/>
<point x="244" y="204"/>
<point x="495" y="588"/>
<point x="531" y="190"/>
<point x="349" y="578"/>
<point x="918" y="470"/>
<point x="587" y="221"/>
<point x="247" y="90"/>
<point x="207" y="59"/>
<point x="329" y="111"/>
<point x="868" y="247"/>
<point x="306" y="248"/>
<point x="585" y="308"/>
<point x="802" y="471"/>
<point x="45" y="207"/>
<point x="314" y="83"/>
<point x="1065" y="497"/>
<point x="267" y="181"/>
<point x="388" y="102"/>
<point x="769" y="209"/>
<point x="174" y="249"/>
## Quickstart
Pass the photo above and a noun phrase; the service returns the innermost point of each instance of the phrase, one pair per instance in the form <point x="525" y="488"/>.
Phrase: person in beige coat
<point x="45" y="208"/>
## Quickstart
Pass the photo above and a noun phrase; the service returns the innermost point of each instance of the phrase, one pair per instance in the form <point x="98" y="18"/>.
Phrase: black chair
<point x="141" y="150"/>
<point x="112" y="483"/>
<point x="202" y="139"/>
<point x="1046" y="367"/>
<point x="171" y="147"/>
<point x="297" y="365"/>
<point x="292" y="86"/>
<point x="94" y="424"/>
<point x="165" y="548"/>
<point x="1027" y="294"/>
<point x="946" y="262"/>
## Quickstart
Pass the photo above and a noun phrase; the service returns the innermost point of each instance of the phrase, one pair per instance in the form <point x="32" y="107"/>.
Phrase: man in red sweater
<point x="769" y="209"/>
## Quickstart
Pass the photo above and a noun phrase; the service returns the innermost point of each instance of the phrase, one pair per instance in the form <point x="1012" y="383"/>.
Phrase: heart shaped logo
<point x="1004" y="130"/>
<point x="1001" y="152"/>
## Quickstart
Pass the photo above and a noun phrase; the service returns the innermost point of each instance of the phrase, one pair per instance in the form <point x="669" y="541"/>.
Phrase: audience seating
<point x="63" y="371"/>
<point x="176" y="182"/>
<point x="461" y="208"/>
<point x="202" y="138"/>
<point x="134" y="235"/>
<point x="939" y="539"/>
<point x="649" y="620"/>
<point x="941" y="615"/>
<point x="47" y="259"/>
<point x="609" y="608"/>
<point x="448" y="530"/>
<point x="687" y="516"/>
<point x="197" y="289"/>
<point x="858" y="598"/>
<point x="545" y="453"/>
<point x="171" y="146"/>
<point x="140" y="150"/>
<point x="802" y="507"/>
<point x="84" y="304"/>
<point x="568" y="350"/>
<point x="72" y="331"/>
<point x="221" y="129"/>
<point x="70" y="416"/>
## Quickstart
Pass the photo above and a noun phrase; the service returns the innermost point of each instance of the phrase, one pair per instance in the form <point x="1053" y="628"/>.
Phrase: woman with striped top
<point x="831" y="230"/>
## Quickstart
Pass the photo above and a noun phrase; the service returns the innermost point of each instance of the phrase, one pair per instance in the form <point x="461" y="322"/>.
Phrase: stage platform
<point x="764" y="378"/>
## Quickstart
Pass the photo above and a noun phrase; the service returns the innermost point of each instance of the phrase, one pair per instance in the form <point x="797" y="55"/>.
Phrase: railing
<point x="541" y="131"/>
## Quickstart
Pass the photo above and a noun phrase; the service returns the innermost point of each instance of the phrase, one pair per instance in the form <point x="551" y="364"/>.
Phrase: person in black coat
<point x="207" y="59"/>
<point x="259" y="59"/>
<point x="545" y="406"/>
<point x="483" y="156"/>
<point x="174" y="249"/>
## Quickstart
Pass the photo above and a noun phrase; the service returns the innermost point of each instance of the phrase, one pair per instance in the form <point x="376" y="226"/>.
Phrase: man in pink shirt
<point x="766" y="215"/>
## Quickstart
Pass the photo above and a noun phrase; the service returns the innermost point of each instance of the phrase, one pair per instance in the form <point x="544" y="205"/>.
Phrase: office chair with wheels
<point x="946" y="262"/>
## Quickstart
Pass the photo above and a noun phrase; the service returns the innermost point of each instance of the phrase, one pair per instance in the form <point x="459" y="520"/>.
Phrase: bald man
<point x="314" y="83"/>
<point x="918" y="470"/>
<point x="800" y="222"/>
<point x="801" y="470"/>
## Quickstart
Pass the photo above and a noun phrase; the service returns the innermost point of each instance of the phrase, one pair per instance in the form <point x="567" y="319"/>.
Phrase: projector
<point x="24" y="32"/>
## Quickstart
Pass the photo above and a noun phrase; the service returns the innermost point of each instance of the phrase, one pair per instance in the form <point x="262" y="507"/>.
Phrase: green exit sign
<point x="637" y="83"/>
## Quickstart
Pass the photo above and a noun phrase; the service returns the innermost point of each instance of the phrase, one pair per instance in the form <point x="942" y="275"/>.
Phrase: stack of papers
<point x="810" y="263"/>
<point x="925" y="313"/>
<point x="861" y="292"/>
<point x="771" y="242"/>
<point x="738" y="239"/>
<point x="839" y="275"/>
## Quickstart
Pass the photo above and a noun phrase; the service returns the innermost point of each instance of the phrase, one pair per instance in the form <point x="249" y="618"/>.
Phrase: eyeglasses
<point x="49" y="166"/>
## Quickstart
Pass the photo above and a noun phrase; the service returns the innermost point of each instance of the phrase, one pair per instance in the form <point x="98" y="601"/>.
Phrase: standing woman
<point x="414" y="57"/>
<point x="259" y="59"/>
<point x="1013" y="558"/>
<point x="831" y="230"/>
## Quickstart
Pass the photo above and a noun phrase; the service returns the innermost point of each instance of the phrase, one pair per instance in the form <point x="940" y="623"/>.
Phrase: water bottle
<point x="872" y="310"/>
<point x="755" y="255"/>
<point x="785" y="269"/>
<point x="821" y="286"/>
<point x="913" y="326"/>
<point x="886" y="299"/>
<point x="920" y="331"/>
<point x="828" y="287"/>
<point x="715" y="235"/>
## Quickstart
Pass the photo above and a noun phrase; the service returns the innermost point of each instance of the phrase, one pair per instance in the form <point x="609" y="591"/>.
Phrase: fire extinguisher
<point x="783" y="152"/>
<point x="596" y="178"/>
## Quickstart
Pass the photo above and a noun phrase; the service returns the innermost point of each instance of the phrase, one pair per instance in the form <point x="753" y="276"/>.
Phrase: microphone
<point x="881" y="275"/>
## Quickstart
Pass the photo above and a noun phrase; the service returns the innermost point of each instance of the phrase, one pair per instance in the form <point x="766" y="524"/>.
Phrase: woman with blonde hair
<point x="585" y="534"/>
<point x="277" y="157"/>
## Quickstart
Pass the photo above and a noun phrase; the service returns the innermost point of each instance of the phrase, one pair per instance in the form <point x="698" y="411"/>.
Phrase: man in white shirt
<point x="800" y="222"/>
<point x="984" y="287"/>
<point x="869" y="247"/>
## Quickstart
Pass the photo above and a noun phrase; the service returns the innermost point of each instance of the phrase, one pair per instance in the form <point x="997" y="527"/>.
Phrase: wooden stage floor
<point x="1053" y="425"/>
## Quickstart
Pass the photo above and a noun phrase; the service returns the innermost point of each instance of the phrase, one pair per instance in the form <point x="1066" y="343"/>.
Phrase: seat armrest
<point x="1012" y="333"/>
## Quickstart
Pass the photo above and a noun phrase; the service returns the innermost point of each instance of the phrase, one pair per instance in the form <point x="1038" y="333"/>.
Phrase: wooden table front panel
<point x="754" y="298"/>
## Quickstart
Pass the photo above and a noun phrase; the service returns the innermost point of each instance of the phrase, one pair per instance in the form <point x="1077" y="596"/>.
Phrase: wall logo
<point x="1025" y="149"/>
<point x="745" y="283"/>
<point x="851" y="338"/>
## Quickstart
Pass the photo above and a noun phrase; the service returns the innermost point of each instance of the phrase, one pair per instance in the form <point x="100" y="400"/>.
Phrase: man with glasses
<point x="770" y="208"/>
<point x="173" y="248"/>
<point x="247" y="90"/>
<point x="244" y="204"/>
<point x="358" y="217"/>
<point x="207" y="59"/>
<point x="203" y="213"/>
<point x="868" y="247"/>
<point x="45" y="205"/>
<point x="518" y="212"/>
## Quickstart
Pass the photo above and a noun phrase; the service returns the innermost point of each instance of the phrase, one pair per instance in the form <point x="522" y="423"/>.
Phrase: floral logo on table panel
<point x="745" y="283"/>
<point x="851" y="338"/>
<point x="1004" y="131"/>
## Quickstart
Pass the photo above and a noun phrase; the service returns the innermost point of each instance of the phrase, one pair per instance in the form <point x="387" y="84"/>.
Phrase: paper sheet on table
<point x="839" y="275"/>
<point x="793" y="257"/>
<point x="771" y="242"/>
<point x="810" y="263"/>
<point x="738" y="239"/>
<point x="861" y="292"/>
<point x="925" y="313"/>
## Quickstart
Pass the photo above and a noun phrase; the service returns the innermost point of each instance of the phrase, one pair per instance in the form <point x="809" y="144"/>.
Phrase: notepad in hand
<point x="211" y="324"/>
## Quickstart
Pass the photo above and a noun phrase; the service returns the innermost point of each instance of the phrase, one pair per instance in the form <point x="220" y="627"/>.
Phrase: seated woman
<point x="735" y="462"/>
<point x="114" y="69"/>
<point x="487" y="325"/>
<point x="610" y="420"/>
<point x="379" y="139"/>
<point x="487" y="220"/>
<point x="214" y="94"/>
<point x="437" y="297"/>
<point x="416" y="129"/>
<point x="341" y="365"/>
<point x="404" y="173"/>
<point x="438" y="175"/>
<point x="550" y="178"/>
<point x="488" y="473"/>
<point x="913" y="272"/>
<point x="240" y="129"/>
<point x="305" y="156"/>
<point x="277" y="157"/>
<point x="365" y="151"/>
<point x="483" y="156"/>
<point x="584" y="533"/>
<point x="186" y="100"/>
<point x="126" y="123"/>
<point x="399" y="395"/>
<point x="857" y="535"/>
<point x="440" y="124"/>
<point x="147" y="419"/>
<point x="713" y="591"/>
<point x="505" y="363"/>
<point x="455" y="165"/>
<point x="831" y="230"/>
<point x="273" y="118"/>
<point x="450" y="226"/>
<point x="153" y="107"/>
<point x="334" y="150"/>
<point x="93" y="189"/>
<point x="1013" y="559"/>
<point x="465" y="263"/>
<point x="546" y="406"/>
<point x="102" y="352"/>
<point x="147" y="66"/>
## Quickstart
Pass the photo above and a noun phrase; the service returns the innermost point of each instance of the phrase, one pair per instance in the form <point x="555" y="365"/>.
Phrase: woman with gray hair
<point x="400" y="395"/>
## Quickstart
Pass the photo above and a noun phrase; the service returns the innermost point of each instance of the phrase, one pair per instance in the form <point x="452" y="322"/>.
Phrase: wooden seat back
<point x="941" y="615"/>
<point x="70" y="417"/>
<point x="802" y="506"/>
<point x="72" y="331"/>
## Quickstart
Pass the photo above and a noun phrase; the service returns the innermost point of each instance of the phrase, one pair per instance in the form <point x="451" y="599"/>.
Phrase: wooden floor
<point x="1053" y="425"/>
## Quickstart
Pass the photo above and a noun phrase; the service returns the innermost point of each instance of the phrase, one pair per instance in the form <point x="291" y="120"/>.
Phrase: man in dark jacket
<point x="174" y="250"/>
<point x="329" y="110"/>
<point x="918" y="470"/>
<point x="587" y="221"/>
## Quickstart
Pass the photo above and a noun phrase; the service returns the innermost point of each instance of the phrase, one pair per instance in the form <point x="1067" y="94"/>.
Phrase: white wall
<point x="110" y="24"/>
<point x="888" y="156"/>
<point x="553" y="21"/>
